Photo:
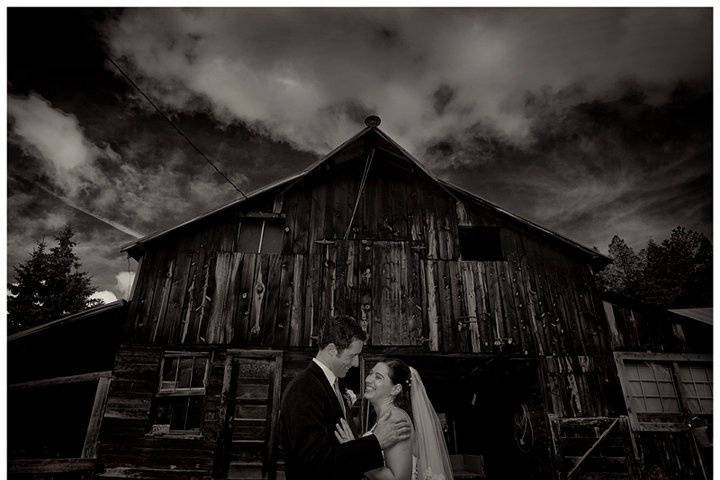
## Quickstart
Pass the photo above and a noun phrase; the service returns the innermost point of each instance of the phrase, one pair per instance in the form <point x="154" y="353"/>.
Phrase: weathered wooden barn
<point x="533" y="373"/>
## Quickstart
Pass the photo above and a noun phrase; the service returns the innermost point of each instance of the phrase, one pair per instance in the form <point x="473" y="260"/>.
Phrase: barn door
<point x="253" y="394"/>
<point x="397" y="309"/>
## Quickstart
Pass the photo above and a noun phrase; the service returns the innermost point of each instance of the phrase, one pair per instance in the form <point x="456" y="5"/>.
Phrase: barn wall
<point x="401" y="262"/>
<point x="401" y="274"/>
<point x="127" y="446"/>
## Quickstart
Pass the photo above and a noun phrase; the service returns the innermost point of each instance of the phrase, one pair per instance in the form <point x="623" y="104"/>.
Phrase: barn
<point x="533" y="374"/>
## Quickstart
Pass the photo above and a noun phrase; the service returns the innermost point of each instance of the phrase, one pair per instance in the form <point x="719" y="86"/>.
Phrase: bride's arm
<point x="398" y="461"/>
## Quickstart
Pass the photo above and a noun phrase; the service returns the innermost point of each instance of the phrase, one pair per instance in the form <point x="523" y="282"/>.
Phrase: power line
<point x="177" y="129"/>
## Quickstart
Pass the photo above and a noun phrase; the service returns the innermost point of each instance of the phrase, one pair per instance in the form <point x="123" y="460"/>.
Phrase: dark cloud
<point x="595" y="167"/>
<point x="589" y="121"/>
<point x="442" y="97"/>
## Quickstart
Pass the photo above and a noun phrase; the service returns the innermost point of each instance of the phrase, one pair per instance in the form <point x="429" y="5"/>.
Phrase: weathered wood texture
<point x="400" y="272"/>
<point x="127" y="446"/>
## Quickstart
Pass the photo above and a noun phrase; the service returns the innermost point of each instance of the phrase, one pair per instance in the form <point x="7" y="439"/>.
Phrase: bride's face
<point x="378" y="384"/>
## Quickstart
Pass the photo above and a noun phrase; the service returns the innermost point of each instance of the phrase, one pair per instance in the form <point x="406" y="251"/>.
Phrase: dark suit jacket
<point x="308" y="414"/>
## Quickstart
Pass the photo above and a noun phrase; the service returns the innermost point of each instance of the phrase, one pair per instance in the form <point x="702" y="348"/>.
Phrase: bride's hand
<point x="343" y="432"/>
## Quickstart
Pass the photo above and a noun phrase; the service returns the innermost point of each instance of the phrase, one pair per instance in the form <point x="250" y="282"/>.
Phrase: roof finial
<point x="372" y="121"/>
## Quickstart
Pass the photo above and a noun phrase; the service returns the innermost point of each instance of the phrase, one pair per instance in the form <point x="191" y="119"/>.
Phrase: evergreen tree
<point x="49" y="285"/>
<point x="675" y="273"/>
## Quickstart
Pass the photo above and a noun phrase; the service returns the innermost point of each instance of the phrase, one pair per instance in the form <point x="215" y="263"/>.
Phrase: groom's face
<point x="346" y="359"/>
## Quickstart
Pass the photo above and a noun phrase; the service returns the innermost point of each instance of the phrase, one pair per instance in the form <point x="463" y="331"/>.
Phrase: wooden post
<point x="92" y="435"/>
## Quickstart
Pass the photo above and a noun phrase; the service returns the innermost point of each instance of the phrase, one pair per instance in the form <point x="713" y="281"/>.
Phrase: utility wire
<point x="177" y="129"/>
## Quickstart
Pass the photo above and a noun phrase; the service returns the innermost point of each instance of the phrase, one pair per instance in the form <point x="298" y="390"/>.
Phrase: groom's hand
<point x="391" y="431"/>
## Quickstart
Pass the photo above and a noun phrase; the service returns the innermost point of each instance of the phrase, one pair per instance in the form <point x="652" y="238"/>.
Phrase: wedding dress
<point x="431" y="460"/>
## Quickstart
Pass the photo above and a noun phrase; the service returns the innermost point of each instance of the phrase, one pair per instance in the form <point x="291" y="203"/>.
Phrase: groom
<point x="312" y="405"/>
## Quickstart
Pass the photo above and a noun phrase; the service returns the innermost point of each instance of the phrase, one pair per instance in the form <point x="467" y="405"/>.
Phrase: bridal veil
<point x="433" y="460"/>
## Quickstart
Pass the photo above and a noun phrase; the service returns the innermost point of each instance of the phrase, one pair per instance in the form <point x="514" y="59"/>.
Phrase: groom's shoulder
<point x="303" y="379"/>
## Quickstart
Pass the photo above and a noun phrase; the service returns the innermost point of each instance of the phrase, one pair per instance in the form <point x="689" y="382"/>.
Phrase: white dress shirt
<point x="331" y="377"/>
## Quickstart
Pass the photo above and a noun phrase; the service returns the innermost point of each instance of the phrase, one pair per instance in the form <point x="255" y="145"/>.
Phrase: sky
<point x="592" y="122"/>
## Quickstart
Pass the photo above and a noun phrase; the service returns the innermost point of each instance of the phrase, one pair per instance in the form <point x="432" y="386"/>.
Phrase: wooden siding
<point x="127" y="447"/>
<point x="400" y="272"/>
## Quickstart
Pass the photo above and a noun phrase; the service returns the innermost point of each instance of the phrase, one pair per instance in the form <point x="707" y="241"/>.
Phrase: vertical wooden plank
<point x="509" y="306"/>
<point x="220" y="323"/>
<point x="257" y="295"/>
<point x="134" y="287"/>
<point x="380" y="294"/>
<point x="245" y="290"/>
<point x="610" y="317"/>
<point x="468" y="279"/>
<point x="300" y="228"/>
<point x="450" y="235"/>
<point x="204" y="307"/>
<point x="278" y="202"/>
<point x="432" y="304"/>
<point x="276" y="393"/>
<point x="415" y="296"/>
<point x="164" y="296"/>
<point x="277" y="270"/>
<point x="311" y="288"/>
<point x="227" y="232"/>
<point x="365" y="290"/>
<point x="495" y="303"/>
<point x="298" y="300"/>
<point x="142" y="297"/>
<point x="424" y="328"/>
<point x="317" y="220"/>
<point x="431" y="234"/>
<point x="92" y="435"/>
<point x="486" y="322"/>
<point x="342" y="300"/>
<point x="171" y="329"/>
<point x="527" y="305"/>
<point x="331" y="277"/>
<point x="281" y="333"/>
<point x="349" y="293"/>
<point x="459" y="318"/>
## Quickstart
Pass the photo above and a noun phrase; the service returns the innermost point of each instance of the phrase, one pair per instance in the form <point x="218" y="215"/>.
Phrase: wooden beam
<point x="51" y="465"/>
<point x="572" y="472"/>
<point x="277" y="392"/>
<point x="92" y="436"/>
<point x="263" y="215"/>
<point x="49" y="382"/>
<point x="254" y="353"/>
<point x="664" y="357"/>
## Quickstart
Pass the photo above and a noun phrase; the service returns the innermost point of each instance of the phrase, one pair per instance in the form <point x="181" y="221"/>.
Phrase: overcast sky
<point x="590" y="122"/>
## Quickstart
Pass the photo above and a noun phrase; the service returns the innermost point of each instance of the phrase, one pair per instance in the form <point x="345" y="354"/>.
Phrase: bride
<point x="395" y="389"/>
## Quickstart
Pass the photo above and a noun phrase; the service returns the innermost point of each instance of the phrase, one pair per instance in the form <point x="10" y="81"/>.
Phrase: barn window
<point x="697" y="381"/>
<point x="480" y="244"/>
<point x="652" y="388"/>
<point x="260" y="236"/>
<point x="181" y="393"/>
<point x="662" y="389"/>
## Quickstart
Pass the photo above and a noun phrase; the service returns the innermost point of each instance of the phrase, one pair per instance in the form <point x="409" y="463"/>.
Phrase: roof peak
<point x="372" y="121"/>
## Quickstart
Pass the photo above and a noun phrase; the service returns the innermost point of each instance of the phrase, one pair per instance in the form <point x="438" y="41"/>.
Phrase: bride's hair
<point x="399" y="373"/>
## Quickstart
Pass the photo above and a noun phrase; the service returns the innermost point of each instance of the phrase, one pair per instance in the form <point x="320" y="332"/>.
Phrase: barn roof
<point x="85" y="315"/>
<point x="392" y="147"/>
<point x="702" y="315"/>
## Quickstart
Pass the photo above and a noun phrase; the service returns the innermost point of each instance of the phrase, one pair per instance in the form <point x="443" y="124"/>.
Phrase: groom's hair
<point x="340" y="330"/>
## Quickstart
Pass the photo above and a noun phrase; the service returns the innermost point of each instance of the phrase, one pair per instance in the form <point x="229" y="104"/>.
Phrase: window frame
<point x="179" y="392"/>
<point x="264" y="221"/>
<point x="658" y="421"/>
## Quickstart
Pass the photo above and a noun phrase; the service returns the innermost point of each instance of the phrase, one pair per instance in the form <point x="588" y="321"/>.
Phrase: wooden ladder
<point x="593" y="447"/>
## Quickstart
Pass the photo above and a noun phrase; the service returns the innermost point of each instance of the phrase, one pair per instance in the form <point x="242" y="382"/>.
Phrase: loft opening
<point x="260" y="235"/>
<point x="480" y="243"/>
